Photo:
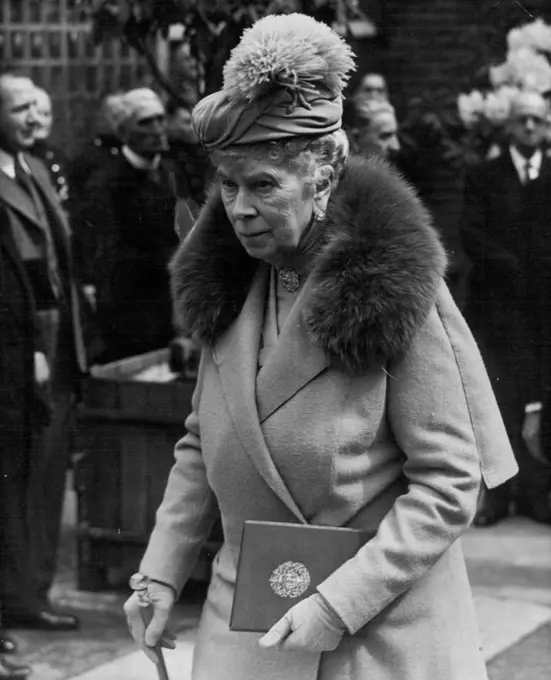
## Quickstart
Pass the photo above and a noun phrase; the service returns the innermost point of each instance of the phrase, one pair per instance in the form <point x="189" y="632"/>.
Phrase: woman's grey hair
<point x="300" y="154"/>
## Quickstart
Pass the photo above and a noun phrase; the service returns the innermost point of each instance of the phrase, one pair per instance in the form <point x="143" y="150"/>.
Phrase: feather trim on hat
<point x="292" y="51"/>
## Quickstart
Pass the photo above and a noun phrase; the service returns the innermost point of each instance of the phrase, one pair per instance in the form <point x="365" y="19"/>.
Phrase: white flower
<point x="497" y="105"/>
<point x="470" y="107"/>
<point x="524" y="68"/>
<point x="500" y="75"/>
<point x="537" y="80"/>
<point x="535" y="35"/>
<point x="517" y="39"/>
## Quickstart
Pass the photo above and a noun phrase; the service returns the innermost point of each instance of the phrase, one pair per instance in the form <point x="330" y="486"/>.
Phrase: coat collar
<point x="236" y="356"/>
<point x="372" y="285"/>
<point x="18" y="199"/>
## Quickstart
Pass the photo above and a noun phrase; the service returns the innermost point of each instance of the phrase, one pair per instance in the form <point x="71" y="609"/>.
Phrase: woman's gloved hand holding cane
<point x="147" y="613"/>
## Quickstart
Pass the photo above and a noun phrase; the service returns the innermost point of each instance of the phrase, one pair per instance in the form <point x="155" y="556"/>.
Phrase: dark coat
<point x="22" y="405"/>
<point x="192" y="170"/>
<point x="18" y="209"/>
<point x="55" y="161"/>
<point x="373" y="411"/>
<point x="125" y="231"/>
<point x="24" y="410"/>
<point x="89" y="157"/>
<point x="506" y="233"/>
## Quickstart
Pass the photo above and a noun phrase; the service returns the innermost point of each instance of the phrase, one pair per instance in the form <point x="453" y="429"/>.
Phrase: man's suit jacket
<point x="19" y="211"/>
<point x="125" y="232"/>
<point x="22" y="405"/>
<point x="506" y="233"/>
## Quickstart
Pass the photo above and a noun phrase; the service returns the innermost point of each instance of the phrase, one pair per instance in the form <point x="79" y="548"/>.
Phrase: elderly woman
<point x="338" y="386"/>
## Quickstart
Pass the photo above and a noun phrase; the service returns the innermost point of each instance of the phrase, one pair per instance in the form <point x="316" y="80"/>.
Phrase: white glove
<point x="157" y="632"/>
<point x="311" y="625"/>
<point x="41" y="368"/>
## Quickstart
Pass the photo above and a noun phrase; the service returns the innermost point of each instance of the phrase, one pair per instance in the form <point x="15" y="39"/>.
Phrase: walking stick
<point x="139" y="583"/>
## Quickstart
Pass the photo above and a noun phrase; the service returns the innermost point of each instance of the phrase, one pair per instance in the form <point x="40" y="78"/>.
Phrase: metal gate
<point x="51" y="40"/>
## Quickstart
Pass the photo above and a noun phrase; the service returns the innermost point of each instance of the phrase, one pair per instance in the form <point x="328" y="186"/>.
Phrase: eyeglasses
<point x="538" y="120"/>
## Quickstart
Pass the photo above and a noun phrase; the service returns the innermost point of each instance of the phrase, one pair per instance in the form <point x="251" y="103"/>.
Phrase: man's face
<point x="380" y="137"/>
<point x="17" y="113"/>
<point x="181" y="127"/>
<point x="146" y="131"/>
<point x="373" y="86"/>
<point x="528" y="125"/>
<point x="43" y="115"/>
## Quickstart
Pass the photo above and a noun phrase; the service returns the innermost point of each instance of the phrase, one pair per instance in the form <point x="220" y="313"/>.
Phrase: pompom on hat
<point x="284" y="79"/>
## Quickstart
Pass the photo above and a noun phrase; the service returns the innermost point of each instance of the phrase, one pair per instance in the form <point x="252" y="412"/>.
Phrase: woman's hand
<point x="311" y="626"/>
<point x="156" y="632"/>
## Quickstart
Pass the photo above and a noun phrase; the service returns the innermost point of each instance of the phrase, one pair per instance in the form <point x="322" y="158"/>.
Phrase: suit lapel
<point x="236" y="354"/>
<point x="11" y="251"/>
<point x="293" y="364"/>
<point x="545" y="171"/>
<point x="48" y="194"/>
<point x="18" y="199"/>
<point x="509" y="169"/>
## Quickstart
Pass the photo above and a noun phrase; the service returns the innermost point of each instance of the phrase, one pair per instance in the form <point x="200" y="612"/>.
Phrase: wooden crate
<point x="128" y="430"/>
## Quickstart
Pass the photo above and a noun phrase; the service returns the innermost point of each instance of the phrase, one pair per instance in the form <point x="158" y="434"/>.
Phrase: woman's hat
<point x="284" y="79"/>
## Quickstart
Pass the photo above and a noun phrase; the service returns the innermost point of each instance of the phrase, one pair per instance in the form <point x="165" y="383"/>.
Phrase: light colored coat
<point x="345" y="429"/>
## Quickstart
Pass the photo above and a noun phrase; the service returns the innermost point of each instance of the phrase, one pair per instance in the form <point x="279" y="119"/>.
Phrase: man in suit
<point x="506" y="233"/>
<point x="125" y="230"/>
<point x="22" y="408"/>
<point x="37" y="236"/>
<point x="372" y="126"/>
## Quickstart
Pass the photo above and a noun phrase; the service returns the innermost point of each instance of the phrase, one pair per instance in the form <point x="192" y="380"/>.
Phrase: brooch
<point x="290" y="579"/>
<point x="289" y="279"/>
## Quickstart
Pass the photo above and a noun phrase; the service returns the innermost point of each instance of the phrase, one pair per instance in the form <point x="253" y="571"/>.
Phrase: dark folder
<point x="282" y="564"/>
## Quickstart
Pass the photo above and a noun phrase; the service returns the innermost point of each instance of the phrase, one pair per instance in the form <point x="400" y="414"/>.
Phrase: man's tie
<point x="528" y="171"/>
<point x="25" y="181"/>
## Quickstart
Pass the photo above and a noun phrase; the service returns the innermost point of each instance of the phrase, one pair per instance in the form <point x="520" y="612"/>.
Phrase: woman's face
<point x="269" y="206"/>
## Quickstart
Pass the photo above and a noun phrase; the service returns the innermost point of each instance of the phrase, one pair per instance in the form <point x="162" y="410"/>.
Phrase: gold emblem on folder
<point x="290" y="579"/>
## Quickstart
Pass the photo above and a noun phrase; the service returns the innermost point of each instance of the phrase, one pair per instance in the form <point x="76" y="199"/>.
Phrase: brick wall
<point x="436" y="43"/>
<point x="433" y="49"/>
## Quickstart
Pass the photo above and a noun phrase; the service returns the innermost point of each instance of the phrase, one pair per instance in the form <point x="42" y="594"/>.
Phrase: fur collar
<point x="375" y="279"/>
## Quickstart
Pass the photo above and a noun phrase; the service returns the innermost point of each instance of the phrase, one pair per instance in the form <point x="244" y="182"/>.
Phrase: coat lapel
<point x="294" y="362"/>
<point x="48" y="194"/>
<point x="16" y="197"/>
<point x="545" y="171"/>
<point x="8" y="243"/>
<point x="236" y="354"/>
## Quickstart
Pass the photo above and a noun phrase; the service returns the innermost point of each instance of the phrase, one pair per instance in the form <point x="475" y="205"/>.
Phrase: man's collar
<point x="7" y="163"/>
<point x="519" y="161"/>
<point x="139" y="162"/>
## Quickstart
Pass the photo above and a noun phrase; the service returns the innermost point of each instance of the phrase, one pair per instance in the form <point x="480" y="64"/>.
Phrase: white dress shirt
<point x="139" y="162"/>
<point x="7" y="163"/>
<point x="521" y="164"/>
